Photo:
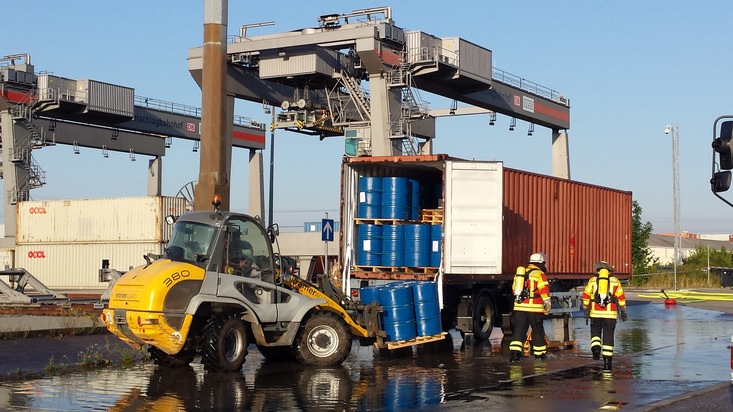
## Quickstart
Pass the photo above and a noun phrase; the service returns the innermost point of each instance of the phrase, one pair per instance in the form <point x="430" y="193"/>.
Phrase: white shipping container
<point x="126" y="219"/>
<point x="76" y="265"/>
<point x="7" y="258"/>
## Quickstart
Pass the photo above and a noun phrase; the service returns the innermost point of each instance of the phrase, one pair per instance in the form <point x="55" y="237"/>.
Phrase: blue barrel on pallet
<point x="369" y="294"/>
<point x="398" y="312"/>
<point x="417" y="245"/>
<point x="395" y="198"/>
<point x="427" y="308"/>
<point x="369" y="249"/>
<point x="370" y="197"/>
<point x="415" y="193"/>
<point x="436" y="244"/>
<point x="393" y="245"/>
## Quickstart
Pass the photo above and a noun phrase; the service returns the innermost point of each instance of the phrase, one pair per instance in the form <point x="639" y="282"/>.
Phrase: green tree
<point x="699" y="257"/>
<point x="641" y="255"/>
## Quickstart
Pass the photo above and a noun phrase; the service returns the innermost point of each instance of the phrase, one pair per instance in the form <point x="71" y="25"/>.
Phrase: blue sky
<point x="628" y="67"/>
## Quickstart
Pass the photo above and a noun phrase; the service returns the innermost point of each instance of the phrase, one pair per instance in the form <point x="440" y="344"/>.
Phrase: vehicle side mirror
<point x="273" y="231"/>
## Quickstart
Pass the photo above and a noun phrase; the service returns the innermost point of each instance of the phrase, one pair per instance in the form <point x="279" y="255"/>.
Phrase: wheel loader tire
<point x="224" y="348"/>
<point x="181" y="359"/>
<point x="323" y="340"/>
<point x="276" y="353"/>
<point x="483" y="317"/>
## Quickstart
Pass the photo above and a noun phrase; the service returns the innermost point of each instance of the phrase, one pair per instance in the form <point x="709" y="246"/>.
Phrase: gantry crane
<point x="317" y="76"/>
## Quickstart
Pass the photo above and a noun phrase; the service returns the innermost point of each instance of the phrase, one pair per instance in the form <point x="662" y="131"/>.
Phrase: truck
<point x="468" y="225"/>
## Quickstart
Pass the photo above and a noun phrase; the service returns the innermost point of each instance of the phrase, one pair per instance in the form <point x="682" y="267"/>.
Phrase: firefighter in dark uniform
<point x="603" y="297"/>
<point x="531" y="305"/>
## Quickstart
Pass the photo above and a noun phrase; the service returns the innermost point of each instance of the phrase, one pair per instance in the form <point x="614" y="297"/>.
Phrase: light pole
<point x="674" y="130"/>
<point x="272" y="164"/>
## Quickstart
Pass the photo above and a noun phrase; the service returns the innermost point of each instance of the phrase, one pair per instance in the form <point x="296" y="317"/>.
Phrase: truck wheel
<point x="483" y="317"/>
<point x="160" y="358"/>
<point x="225" y="344"/>
<point x="276" y="353"/>
<point x="324" y="340"/>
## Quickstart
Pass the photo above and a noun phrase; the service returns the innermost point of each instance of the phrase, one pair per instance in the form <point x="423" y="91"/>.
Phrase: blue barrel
<point x="369" y="294"/>
<point x="395" y="198"/>
<point x="393" y="245"/>
<point x="417" y="245"/>
<point x="370" y="197"/>
<point x="427" y="308"/>
<point x="369" y="249"/>
<point x="436" y="244"/>
<point x="415" y="193"/>
<point x="398" y="312"/>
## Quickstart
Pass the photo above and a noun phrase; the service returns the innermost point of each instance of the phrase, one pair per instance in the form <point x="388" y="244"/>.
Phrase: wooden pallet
<point x="551" y="344"/>
<point x="420" y="270"/>
<point x="431" y="216"/>
<point x="415" y="341"/>
<point x="385" y="269"/>
<point x="362" y="221"/>
<point x="398" y="269"/>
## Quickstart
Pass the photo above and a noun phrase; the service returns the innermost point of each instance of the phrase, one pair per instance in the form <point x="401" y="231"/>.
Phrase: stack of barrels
<point x="409" y="309"/>
<point x="405" y="242"/>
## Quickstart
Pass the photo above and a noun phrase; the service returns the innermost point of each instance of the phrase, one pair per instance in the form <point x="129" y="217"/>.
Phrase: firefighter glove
<point x="586" y="311"/>
<point x="546" y="305"/>
<point x="623" y="315"/>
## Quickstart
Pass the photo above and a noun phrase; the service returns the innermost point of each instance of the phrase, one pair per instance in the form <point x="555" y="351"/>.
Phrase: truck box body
<point x="489" y="219"/>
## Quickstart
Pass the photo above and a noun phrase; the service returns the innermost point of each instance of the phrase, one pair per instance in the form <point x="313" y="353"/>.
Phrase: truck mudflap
<point x="152" y="328"/>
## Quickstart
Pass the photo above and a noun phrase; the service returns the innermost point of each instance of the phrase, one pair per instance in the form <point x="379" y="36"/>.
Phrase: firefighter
<point x="531" y="305"/>
<point x="603" y="297"/>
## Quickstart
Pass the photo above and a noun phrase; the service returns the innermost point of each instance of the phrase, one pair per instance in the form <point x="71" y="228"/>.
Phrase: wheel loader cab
<point x="243" y="250"/>
<point x="246" y="249"/>
<point x="190" y="242"/>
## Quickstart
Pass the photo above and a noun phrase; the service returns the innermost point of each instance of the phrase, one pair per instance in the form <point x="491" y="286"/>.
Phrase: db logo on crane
<point x="37" y="210"/>
<point x="36" y="254"/>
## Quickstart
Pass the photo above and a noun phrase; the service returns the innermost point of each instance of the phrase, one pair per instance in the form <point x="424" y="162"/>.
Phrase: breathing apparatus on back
<point x="602" y="297"/>
<point x="519" y="286"/>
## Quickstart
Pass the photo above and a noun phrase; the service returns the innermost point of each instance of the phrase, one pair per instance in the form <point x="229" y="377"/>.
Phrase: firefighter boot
<point x="607" y="363"/>
<point x="515" y="356"/>
<point x="596" y="352"/>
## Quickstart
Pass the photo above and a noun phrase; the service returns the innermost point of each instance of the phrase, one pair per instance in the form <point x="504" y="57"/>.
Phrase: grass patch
<point x="685" y="280"/>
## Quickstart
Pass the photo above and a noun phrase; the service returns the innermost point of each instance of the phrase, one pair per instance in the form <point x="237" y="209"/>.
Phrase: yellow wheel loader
<point x="218" y="287"/>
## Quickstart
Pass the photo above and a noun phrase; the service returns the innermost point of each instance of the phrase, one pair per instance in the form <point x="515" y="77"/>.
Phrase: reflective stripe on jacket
<point x="539" y="290"/>
<point x="610" y="311"/>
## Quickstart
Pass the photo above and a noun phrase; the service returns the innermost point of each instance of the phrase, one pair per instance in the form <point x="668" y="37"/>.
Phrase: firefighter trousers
<point x="522" y="321"/>
<point x="601" y="335"/>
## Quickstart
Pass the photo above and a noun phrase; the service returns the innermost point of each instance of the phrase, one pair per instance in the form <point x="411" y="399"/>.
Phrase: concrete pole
<point x="214" y="161"/>
<point x="155" y="170"/>
<point x="560" y="155"/>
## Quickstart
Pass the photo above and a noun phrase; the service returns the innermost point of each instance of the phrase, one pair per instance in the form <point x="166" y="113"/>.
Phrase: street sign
<point x="327" y="230"/>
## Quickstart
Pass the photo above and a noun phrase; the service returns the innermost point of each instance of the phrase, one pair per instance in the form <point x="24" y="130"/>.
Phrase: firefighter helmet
<point x="538" y="258"/>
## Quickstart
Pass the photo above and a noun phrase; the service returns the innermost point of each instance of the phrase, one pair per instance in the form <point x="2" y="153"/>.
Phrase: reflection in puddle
<point x="675" y="351"/>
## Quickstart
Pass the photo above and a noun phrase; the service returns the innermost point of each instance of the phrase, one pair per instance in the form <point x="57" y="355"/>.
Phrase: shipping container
<point x="106" y="98"/>
<point x="422" y="47"/>
<point x="299" y="62"/>
<point x="470" y="224"/>
<point x="76" y="265"/>
<point x="127" y="219"/>
<point x="7" y="258"/>
<point x="471" y="60"/>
